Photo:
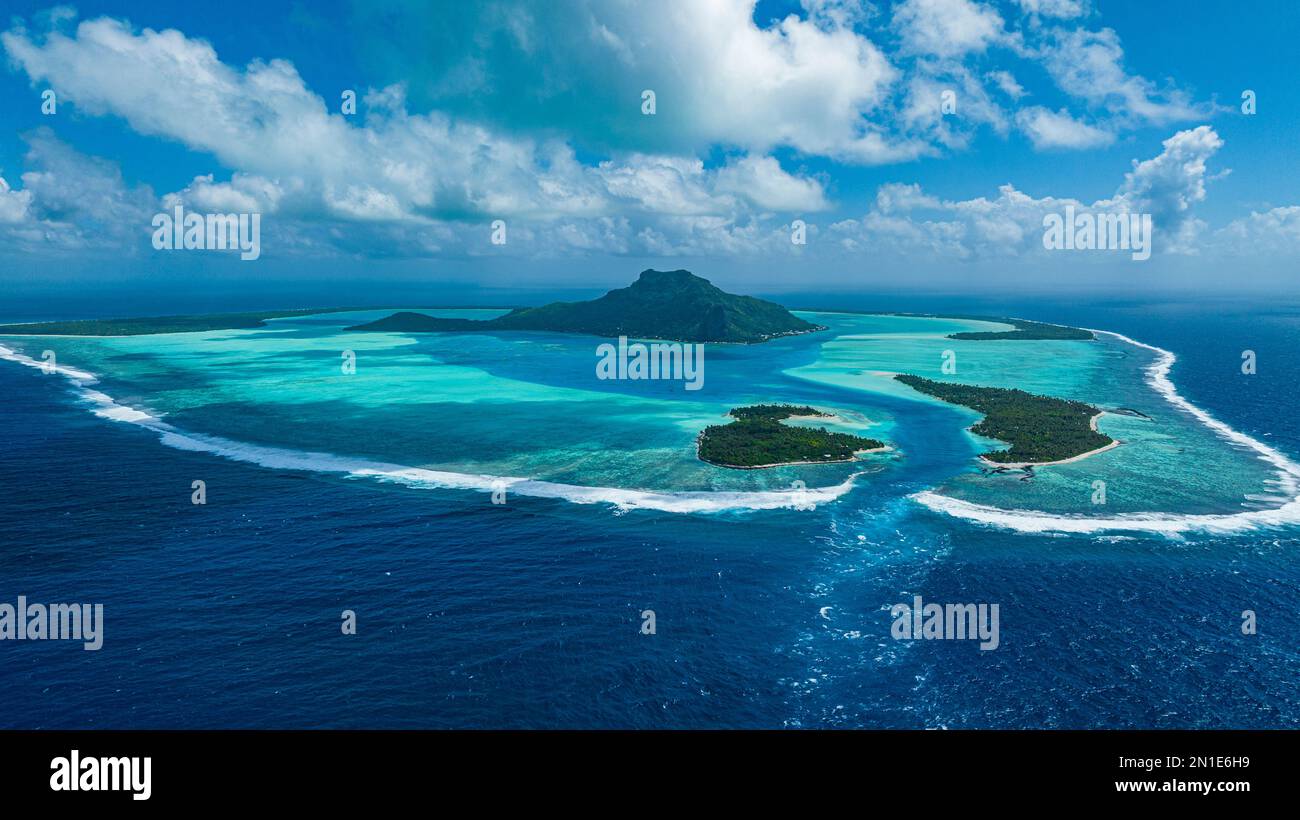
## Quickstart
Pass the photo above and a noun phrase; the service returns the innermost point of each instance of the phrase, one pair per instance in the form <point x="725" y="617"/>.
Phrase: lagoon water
<point x="372" y="492"/>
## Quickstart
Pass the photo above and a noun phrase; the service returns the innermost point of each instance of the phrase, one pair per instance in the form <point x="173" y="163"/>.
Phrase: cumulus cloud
<point x="897" y="196"/>
<point x="1007" y="84"/>
<point x="1057" y="129"/>
<point x="1064" y="9"/>
<point x="1166" y="186"/>
<point x="846" y="79"/>
<point x="301" y="161"/>
<point x="811" y="82"/>
<point x="1089" y="65"/>
<point x="799" y="84"/>
<point x="946" y="103"/>
<point x="14" y="205"/>
<point x="1276" y="230"/>
<point x="393" y="181"/>
<point x="70" y="201"/>
<point x="762" y="181"/>
<point x="946" y="28"/>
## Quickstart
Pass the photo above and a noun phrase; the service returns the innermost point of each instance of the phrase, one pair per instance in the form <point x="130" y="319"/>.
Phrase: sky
<point x="911" y="145"/>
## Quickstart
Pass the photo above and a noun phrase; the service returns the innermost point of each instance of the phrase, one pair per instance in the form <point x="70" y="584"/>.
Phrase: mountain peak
<point x="675" y="305"/>
<point x="679" y="277"/>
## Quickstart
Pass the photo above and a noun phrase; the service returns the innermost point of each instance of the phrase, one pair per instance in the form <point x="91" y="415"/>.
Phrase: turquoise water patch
<point x="530" y="405"/>
<point x="506" y="404"/>
<point x="1168" y="461"/>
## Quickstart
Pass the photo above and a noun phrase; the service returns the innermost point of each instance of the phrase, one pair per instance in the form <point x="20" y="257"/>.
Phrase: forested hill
<point x="672" y="305"/>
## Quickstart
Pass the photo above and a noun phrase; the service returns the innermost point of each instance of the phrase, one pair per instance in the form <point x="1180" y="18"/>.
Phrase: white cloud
<point x="1010" y="224"/>
<point x="800" y="83"/>
<point x="845" y="13"/>
<point x="946" y="28"/>
<point x="924" y="112"/>
<point x="1276" y="230"/>
<point x="1089" y="65"/>
<point x="1064" y="9"/>
<point x="295" y="157"/>
<point x="1006" y="81"/>
<point x="894" y="197"/>
<point x="762" y="181"/>
<point x="243" y="194"/>
<point x="14" y="205"/>
<point x="69" y="201"/>
<point x="1168" y="185"/>
<point x="1057" y="129"/>
<point x="391" y="182"/>
<point x="664" y="185"/>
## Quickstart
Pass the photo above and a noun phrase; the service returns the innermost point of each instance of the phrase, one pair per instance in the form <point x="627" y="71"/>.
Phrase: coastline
<point x="1020" y="465"/>
<point x="831" y="418"/>
<point x="856" y="453"/>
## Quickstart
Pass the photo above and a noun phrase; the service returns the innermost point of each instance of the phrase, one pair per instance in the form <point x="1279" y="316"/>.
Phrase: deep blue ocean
<point x="527" y="614"/>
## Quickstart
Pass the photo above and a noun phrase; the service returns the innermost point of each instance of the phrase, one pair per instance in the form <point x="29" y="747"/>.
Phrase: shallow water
<point x="472" y="409"/>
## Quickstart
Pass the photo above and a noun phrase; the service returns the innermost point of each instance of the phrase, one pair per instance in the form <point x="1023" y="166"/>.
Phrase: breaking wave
<point x="1154" y="522"/>
<point x="104" y="406"/>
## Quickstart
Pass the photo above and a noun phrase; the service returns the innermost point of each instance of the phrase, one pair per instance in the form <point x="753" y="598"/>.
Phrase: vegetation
<point x="1038" y="428"/>
<point x="1028" y="331"/>
<point x="672" y="305"/>
<point x="757" y="438"/>
<point x="775" y="412"/>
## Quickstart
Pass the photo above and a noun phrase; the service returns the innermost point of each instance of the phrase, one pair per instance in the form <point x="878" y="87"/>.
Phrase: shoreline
<point x="1020" y="465"/>
<point x="832" y="418"/>
<point x="881" y="449"/>
<point x="854" y="458"/>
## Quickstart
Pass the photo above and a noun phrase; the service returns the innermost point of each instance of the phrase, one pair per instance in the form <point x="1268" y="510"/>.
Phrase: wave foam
<point x="1288" y="483"/>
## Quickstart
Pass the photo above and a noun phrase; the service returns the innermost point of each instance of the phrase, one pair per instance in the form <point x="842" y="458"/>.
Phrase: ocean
<point x="529" y="613"/>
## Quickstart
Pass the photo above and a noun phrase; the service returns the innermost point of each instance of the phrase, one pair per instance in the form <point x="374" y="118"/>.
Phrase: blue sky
<point x="827" y="111"/>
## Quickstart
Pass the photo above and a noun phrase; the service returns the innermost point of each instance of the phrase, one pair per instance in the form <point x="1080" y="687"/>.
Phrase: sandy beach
<point x="856" y="453"/>
<point x="1020" y="465"/>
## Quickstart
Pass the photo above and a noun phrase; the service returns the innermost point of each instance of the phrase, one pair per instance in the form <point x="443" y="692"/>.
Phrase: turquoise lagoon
<point x="473" y="411"/>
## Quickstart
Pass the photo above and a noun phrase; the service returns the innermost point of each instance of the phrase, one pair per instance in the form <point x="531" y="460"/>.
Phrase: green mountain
<point x="672" y="305"/>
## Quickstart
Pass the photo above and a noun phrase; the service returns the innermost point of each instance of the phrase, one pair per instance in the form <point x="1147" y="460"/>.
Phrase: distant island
<point x="675" y="306"/>
<point x="148" y="325"/>
<point x="757" y="438"/>
<point x="1027" y="331"/>
<point x="1040" y="429"/>
<point x="156" y="324"/>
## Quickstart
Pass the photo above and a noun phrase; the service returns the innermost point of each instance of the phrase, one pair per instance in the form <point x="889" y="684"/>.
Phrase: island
<point x="675" y="306"/>
<point x="757" y="439"/>
<point x="1026" y="331"/>
<point x="149" y="325"/>
<point x="1040" y="429"/>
